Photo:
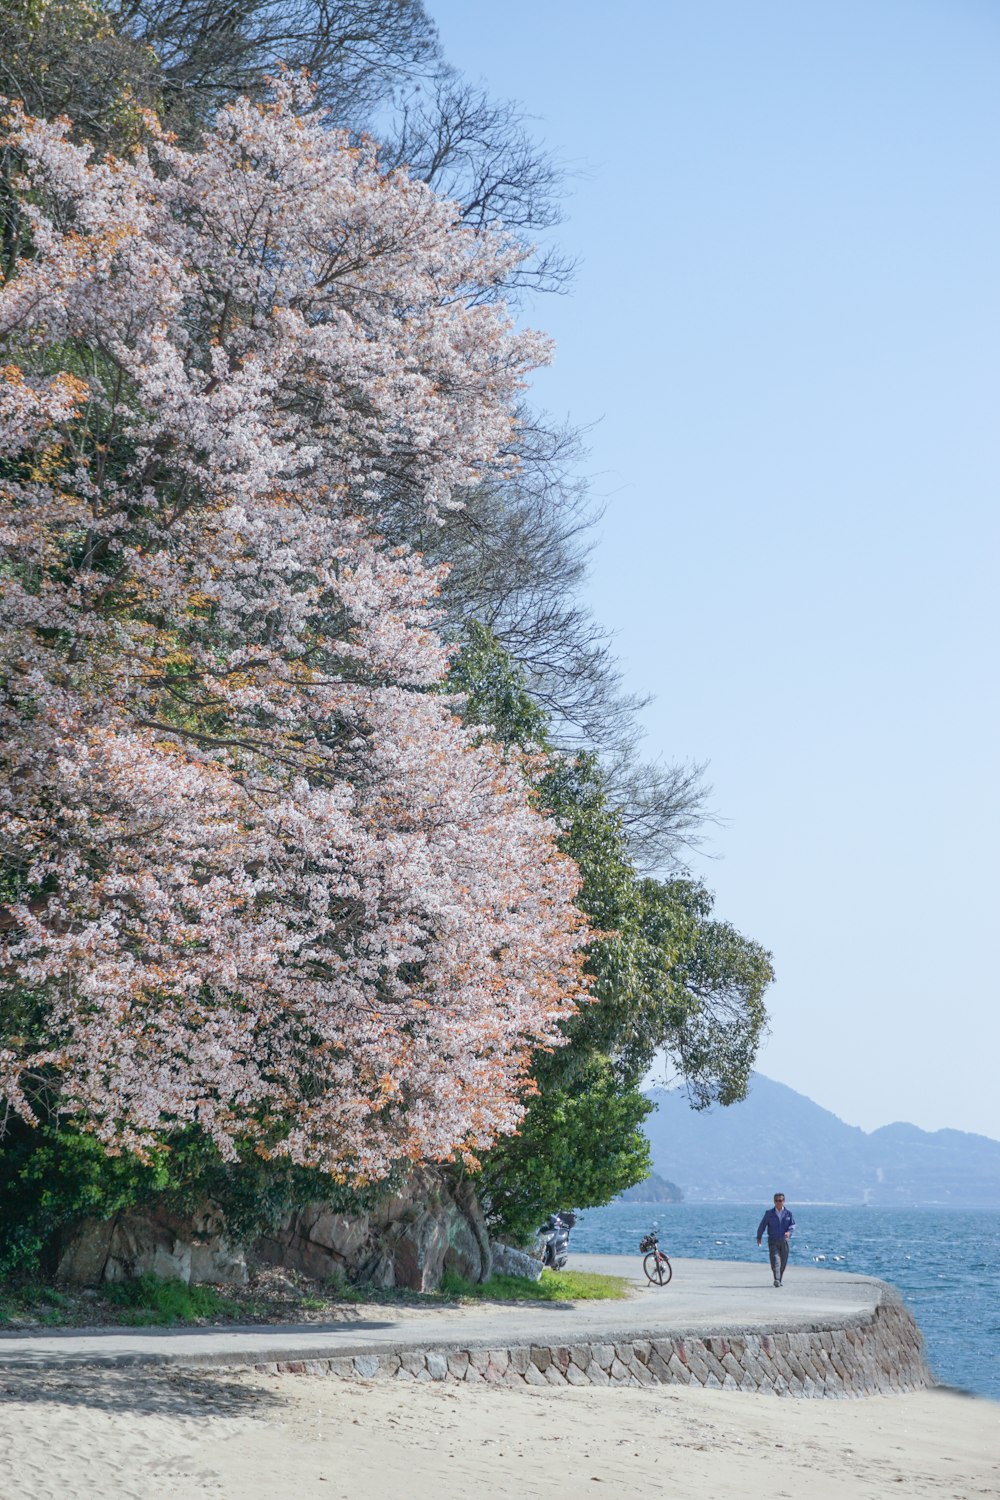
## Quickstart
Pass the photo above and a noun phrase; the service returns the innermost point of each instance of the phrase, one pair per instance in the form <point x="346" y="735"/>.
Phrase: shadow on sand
<point x="158" y="1391"/>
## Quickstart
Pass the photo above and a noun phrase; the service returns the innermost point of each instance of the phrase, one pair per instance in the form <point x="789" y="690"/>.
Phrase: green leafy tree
<point x="666" y="979"/>
<point x="709" y="1005"/>
<point x="580" y="1144"/>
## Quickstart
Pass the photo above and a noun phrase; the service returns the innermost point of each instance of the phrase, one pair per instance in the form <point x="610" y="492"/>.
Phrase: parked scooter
<point x="555" y="1238"/>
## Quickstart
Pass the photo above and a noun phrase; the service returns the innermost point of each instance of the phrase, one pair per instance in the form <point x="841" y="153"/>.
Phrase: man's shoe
<point x="777" y="1283"/>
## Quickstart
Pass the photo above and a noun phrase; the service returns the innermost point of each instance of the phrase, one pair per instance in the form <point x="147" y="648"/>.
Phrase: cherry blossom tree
<point x="257" y="876"/>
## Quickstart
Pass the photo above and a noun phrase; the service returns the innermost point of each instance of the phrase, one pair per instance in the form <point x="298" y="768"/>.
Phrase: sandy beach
<point x="135" y="1434"/>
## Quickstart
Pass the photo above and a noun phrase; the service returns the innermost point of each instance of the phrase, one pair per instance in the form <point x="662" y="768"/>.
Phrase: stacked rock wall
<point x="878" y="1354"/>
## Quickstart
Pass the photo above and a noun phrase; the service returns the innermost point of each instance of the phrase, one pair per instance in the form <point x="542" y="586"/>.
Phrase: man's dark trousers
<point x="778" y="1251"/>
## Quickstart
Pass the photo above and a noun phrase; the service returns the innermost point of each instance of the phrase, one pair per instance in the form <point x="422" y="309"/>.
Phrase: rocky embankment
<point x="408" y="1240"/>
<point x="879" y="1354"/>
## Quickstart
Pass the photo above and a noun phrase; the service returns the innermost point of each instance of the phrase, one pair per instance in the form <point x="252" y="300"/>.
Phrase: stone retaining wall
<point x="865" y="1356"/>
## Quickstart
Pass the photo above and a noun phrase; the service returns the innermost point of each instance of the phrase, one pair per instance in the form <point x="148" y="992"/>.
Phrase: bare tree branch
<point x="480" y="152"/>
<point x="357" y="51"/>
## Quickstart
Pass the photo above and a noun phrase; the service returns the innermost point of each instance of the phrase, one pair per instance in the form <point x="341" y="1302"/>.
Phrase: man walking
<point x="779" y="1223"/>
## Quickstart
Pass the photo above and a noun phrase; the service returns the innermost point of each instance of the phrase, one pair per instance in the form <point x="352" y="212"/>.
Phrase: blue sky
<point x="785" y="326"/>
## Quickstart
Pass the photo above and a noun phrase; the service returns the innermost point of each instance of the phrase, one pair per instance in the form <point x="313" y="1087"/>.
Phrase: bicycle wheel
<point x="657" y="1268"/>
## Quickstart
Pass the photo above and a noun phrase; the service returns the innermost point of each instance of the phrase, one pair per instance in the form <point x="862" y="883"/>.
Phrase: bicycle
<point x="655" y="1264"/>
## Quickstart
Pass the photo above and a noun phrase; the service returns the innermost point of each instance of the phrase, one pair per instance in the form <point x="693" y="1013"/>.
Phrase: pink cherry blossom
<point x="263" y="879"/>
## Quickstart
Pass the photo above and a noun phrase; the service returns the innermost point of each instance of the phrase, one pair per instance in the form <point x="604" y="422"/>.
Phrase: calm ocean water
<point x="946" y="1265"/>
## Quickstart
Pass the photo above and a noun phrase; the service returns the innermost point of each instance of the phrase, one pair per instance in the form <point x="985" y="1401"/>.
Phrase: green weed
<point x="48" y="1295"/>
<point x="338" y="1288"/>
<point x="153" y="1300"/>
<point x="36" y="1303"/>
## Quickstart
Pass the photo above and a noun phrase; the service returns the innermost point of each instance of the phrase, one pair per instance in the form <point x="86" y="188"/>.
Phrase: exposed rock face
<point x="510" y="1262"/>
<point x="407" y="1240"/>
<point x="139" y="1244"/>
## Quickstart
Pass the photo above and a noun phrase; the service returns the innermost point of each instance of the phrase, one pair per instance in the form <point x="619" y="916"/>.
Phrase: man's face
<point x="779" y="1202"/>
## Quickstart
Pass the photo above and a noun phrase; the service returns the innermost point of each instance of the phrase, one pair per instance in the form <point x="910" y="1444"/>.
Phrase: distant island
<point x="655" y="1189"/>
<point x="778" y="1140"/>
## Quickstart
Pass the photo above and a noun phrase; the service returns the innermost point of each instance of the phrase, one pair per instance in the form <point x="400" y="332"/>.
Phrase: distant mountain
<point x="778" y="1140"/>
<point x="655" y="1189"/>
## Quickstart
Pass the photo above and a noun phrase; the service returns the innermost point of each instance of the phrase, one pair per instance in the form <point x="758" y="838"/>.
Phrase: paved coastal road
<point x="721" y="1297"/>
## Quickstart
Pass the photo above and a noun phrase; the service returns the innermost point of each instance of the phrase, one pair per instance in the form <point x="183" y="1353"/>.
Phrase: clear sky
<point x="787" y="320"/>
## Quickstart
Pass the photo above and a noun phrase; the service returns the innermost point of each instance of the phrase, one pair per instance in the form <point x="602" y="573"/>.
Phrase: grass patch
<point x="154" y="1300"/>
<point x="34" y="1303"/>
<point x="584" y="1286"/>
<point x="339" y="1288"/>
<point x="555" y="1286"/>
<point x="50" y="1296"/>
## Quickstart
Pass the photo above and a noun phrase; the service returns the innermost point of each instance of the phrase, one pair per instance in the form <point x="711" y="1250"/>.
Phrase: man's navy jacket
<point x="777" y="1225"/>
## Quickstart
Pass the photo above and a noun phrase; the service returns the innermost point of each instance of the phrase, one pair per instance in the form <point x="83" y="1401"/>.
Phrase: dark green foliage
<point x="666" y="979"/>
<point x="495" y="695"/>
<point x="52" y="1177"/>
<point x="722" y="976"/>
<point x="664" y="974"/>
<point x="579" y="1144"/>
<point x="572" y="789"/>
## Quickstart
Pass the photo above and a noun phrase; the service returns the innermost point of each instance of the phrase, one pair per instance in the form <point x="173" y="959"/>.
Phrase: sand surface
<point x="194" y="1436"/>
